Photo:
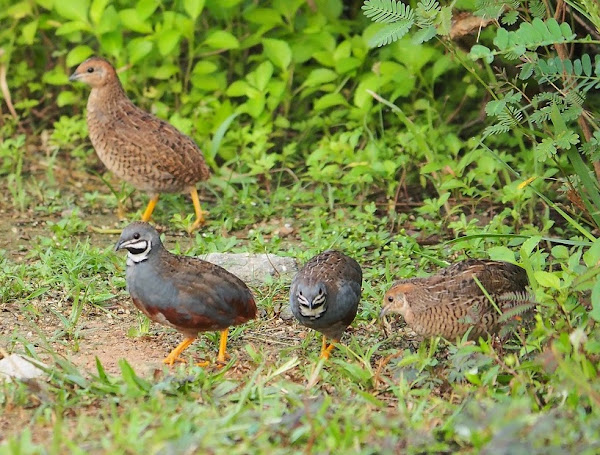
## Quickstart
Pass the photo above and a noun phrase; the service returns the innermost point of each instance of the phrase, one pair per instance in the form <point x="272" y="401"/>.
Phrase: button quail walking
<point x="182" y="292"/>
<point x="324" y="295"/>
<point x="137" y="146"/>
<point x="450" y="302"/>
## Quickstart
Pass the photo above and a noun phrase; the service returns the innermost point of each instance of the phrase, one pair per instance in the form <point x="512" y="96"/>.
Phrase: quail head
<point x="451" y="302"/>
<point x="182" y="292"/>
<point x="137" y="146"/>
<point x="325" y="293"/>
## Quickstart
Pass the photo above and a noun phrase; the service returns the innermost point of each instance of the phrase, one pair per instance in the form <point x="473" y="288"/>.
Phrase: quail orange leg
<point x="148" y="213"/>
<point x="223" y="346"/>
<point x="174" y="355"/>
<point x="198" y="209"/>
<point x="326" y="350"/>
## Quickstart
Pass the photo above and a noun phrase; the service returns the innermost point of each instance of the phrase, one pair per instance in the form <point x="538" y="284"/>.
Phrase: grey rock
<point x="20" y="367"/>
<point x="254" y="269"/>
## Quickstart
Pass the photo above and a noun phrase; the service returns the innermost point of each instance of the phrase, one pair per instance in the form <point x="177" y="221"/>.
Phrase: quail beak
<point x="73" y="77"/>
<point x="120" y="245"/>
<point x="385" y="310"/>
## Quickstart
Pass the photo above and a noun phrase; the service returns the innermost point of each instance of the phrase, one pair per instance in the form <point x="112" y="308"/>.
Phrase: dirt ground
<point x="104" y="332"/>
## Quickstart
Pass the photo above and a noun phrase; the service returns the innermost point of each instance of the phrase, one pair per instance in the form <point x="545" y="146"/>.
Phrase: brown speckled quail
<point x="325" y="293"/>
<point x="182" y="292"/>
<point x="137" y="146"/>
<point x="450" y="302"/>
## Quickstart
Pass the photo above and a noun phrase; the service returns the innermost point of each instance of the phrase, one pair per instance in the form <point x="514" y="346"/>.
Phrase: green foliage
<point x="316" y="141"/>
<point x="400" y="18"/>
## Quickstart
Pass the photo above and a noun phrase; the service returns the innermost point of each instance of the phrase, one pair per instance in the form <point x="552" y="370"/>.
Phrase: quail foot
<point x="182" y="292"/>
<point x="451" y="302"/>
<point x="136" y="146"/>
<point x="324" y="295"/>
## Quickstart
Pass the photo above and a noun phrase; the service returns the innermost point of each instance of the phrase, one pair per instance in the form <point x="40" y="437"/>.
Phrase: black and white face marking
<point x="312" y="301"/>
<point x="137" y="248"/>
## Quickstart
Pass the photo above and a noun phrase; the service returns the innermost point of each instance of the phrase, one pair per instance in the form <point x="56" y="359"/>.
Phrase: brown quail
<point x="182" y="292"/>
<point x="450" y="302"/>
<point x="137" y="146"/>
<point x="325" y="293"/>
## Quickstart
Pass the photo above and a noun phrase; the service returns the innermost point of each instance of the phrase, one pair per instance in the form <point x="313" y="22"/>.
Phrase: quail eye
<point x="136" y="235"/>
<point x="390" y="299"/>
<point x="320" y="291"/>
<point x="300" y="293"/>
<point x="90" y="70"/>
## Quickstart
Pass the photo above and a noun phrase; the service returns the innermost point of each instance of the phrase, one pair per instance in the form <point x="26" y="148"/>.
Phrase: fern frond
<point x="499" y="128"/>
<point x="427" y="12"/>
<point x="537" y="9"/>
<point x="493" y="8"/>
<point x="549" y="97"/>
<point x="510" y="18"/>
<point x="392" y="32"/>
<point x="575" y="98"/>
<point x="517" y="310"/>
<point x="540" y="116"/>
<point x="386" y="11"/>
<point x="571" y="113"/>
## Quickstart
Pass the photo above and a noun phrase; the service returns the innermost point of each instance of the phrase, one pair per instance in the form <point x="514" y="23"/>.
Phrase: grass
<point x="404" y="192"/>
<point x="381" y="392"/>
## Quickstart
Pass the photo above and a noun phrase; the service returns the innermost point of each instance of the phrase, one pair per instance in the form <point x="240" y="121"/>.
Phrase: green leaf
<point x="478" y="51"/>
<point x="110" y="22"/>
<point x="97" y="10"/>
<point x="529" y="245"/>
<point x="66" y="98"/>
<point x="165" y="71"/>
<point x="586" y="63"/>
<point x="69" y="27"/>
<point x="209" y="82"/>
<point x="167" y="40"/>
<point x="331" y="9"/>
<point x="362" y="98"/>
<point x="132" y="20"/>
<point x="220" y="134"/>
<point x="347" y="64"/>
<point x="238" y="88"/>
<point x="204" y="67"/>
<point x="145" y="8"/>
<point x="278" y="52"/>
<point x="255" y="106"/>
<point x="73" y="10"/>
<point x="28" y="32"/>
<point x="260" y="77"/>
<point x="138" y="48"/>
<point x="391" y="32"/>
<point x="19" y="10"/>
<point x="424" y="35"/>
<point x="193" y="8"/>
<point x="386" y="11"/>
<point x="547" y="279"/>
<point x="595" y="313"/>
<point x="56" y="76"/>
<point x="112" y="42"/>
<point x="263" y="16"/>
<point x="592" y="256"/>
<point x="329" y="100"/>
<point x="319" y="76"/>
<point x="222" y="40"/>
<point x="78" y="54"/>
<point x="501" y="253"/>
